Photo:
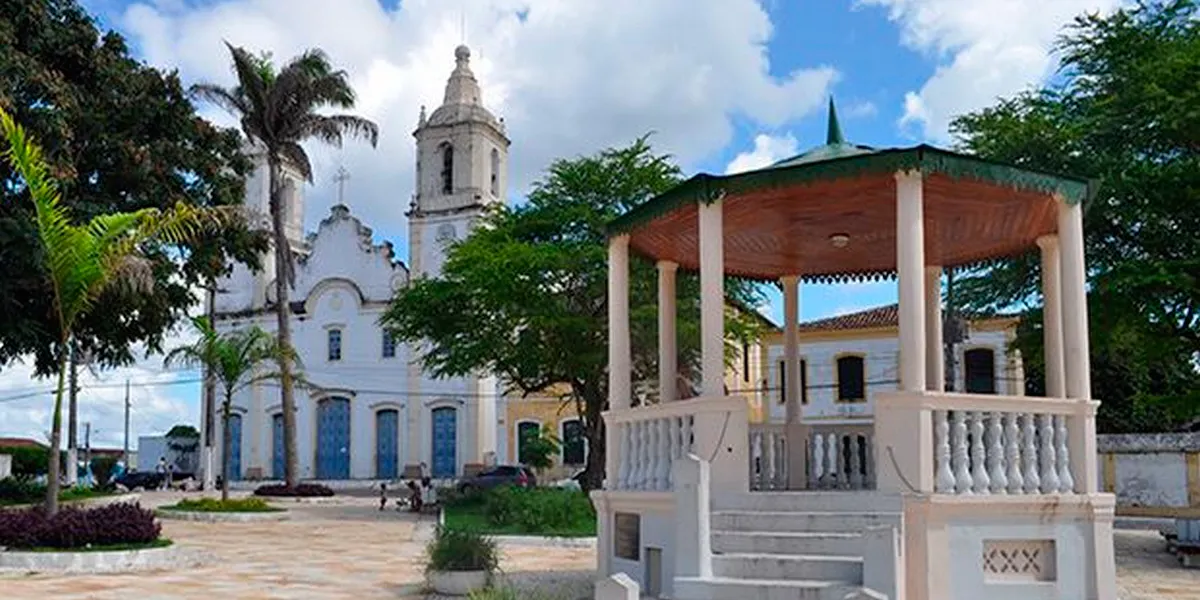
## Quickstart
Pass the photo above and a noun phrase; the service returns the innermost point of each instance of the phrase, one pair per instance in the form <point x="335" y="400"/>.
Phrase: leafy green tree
<point x="524" y="296"/>
<point x="236" y="359"/>
<point x="117" y="136"/>
<point x="280" y="109"/>
<point x="82" y="261"/>
<point x="1125" y="110"/>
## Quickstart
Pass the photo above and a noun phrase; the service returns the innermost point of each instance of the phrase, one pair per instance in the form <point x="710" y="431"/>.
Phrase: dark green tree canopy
<point x="1126" y="111"/>
<point x="524" y="296"/>
<point x="120" y="136"/>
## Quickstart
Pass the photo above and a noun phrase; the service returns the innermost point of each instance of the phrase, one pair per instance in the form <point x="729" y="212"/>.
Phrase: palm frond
<point x="229" y="100"/>
<point x="331" y="128"/>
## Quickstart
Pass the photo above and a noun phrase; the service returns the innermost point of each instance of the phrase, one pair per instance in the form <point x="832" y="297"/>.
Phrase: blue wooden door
<point x="277" y="455"/>
<point x="333" y="438"/>
<point x="235" y="452"/>
<point x="387" y="429"/>
<point x="445" y="441"/>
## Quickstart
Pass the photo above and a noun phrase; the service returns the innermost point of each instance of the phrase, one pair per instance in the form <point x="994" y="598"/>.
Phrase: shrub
<point x="538" y="510"/>
<point x="71" y="527"/>
<point x="460" y="550"/>
<point x="302" y="490"/>
<point x="102" y="468"/>
<point x="453" y="497"/>
<point x="217" y="505"/>
<point x="21" y="490"/>
<point x="29" y="461"/>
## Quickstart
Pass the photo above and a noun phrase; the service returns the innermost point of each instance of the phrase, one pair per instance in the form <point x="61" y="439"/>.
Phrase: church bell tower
<point x="462" y="168"/>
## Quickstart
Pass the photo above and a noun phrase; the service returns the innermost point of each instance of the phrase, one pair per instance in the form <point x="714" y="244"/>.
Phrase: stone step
<point x="816" y="501"/>
<point x="769" y="521"/>
<point x="792" y="568"/>
<point x="788" y="542"/>
<point x="724" y="588"/>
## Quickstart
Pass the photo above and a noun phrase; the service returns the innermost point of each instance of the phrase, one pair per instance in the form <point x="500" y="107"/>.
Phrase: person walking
<point x="161" y="469"/>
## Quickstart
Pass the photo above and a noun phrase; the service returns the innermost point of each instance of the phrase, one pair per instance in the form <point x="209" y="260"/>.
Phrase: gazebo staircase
<point x="791" y="546"/>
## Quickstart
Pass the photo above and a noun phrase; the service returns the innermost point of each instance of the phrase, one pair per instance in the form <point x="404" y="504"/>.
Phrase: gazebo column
<point x="668" y="356"/>
<point x="1081" y="432"/>
<point x="935" y="367"/>
<point x="1052" y="317"/>
<point x="796" y="433"/>
<point x="712" y="300"/>
<point x="620" y="387"/>
<point x="910" y="272"/>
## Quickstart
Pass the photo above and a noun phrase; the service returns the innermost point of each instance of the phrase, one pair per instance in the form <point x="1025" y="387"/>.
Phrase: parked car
<point x="518" y="475"/>
<point x="147" y="480"/>
<point x="574" y="482"/>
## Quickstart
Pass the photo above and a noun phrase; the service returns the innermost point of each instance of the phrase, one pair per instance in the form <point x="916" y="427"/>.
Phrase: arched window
<point x="495" y="172"/>
<point x="526" y="432"/>
<point x="851" y="379"/>
<point x="447" y="169"/>
<point x="979" y="366"/>
<point x="573" y="443"/>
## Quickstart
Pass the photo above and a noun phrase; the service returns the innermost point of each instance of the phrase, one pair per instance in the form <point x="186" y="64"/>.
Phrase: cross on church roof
<point x="341" y="177"/>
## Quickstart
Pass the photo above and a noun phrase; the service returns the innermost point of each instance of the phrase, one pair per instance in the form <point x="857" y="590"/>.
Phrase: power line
<point x="143" y="384"/>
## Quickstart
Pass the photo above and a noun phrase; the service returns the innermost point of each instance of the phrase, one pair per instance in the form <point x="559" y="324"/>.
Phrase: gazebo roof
<point x="780" y="220"/>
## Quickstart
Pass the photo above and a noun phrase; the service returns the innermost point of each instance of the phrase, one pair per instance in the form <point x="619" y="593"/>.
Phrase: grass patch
<point x="214" y="505"/>
<point x="159" y="543"/>
<point x="547" y="512"/>
<point x="21" y="492"/>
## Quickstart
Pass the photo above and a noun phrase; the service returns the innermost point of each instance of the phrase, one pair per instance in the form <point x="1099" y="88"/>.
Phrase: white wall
<point x="1150" y="470"/>
<point x="881" y="366"/>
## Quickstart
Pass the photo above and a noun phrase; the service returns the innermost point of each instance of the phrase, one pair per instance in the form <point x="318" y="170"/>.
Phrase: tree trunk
<point x="226" y="445"/>
<point x="283" y="257"/>
<point x="593" y="423"/>
<point x="73" y="415"/>
<point x="52" y="483"/>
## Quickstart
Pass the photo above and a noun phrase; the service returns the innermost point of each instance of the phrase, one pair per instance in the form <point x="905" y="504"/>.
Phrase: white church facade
<point x="371" y="412"/>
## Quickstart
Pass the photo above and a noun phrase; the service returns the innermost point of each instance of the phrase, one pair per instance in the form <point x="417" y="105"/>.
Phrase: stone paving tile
<point x="351" y="550"/>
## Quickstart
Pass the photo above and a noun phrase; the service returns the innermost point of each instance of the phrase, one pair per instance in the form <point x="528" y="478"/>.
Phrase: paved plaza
<point x="351" y="550"/>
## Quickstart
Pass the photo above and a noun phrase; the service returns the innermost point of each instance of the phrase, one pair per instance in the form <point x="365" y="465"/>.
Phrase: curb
<point x="221" y="517"/>
<point x="116" y="561"/>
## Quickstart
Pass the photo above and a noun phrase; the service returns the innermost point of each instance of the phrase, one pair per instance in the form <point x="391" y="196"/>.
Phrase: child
<point x="382" y="495"/>
<point x="414" y="496"/>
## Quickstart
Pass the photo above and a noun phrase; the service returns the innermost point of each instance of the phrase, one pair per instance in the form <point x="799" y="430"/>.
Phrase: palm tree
<point x="235" y="360"/>
<point x="84" y="261"/>
<point x="279" y="110"/>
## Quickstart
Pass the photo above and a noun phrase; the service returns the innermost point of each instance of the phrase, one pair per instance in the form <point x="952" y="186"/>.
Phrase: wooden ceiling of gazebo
<point x="974" y="211"/>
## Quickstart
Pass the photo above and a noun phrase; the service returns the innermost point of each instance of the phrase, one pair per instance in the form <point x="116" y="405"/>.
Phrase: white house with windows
<point x="372" y="413"/>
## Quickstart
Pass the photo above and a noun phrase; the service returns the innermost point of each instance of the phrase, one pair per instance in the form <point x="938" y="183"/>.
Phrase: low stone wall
<point x="117" y="561"/>
<point x="1151" y="473"/>
<point x="221" y="517"/>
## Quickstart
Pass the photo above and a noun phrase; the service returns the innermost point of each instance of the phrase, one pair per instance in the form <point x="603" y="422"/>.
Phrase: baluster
<point x="941" y="431"/>
<point x="664" y="455"/>
<point x="652" y="465"/>
<point x="1012" y="453"/>
<point x="856" y="477"/>
<point x="978" y="455"/>
<point x="642" y="434"/>
<point x="782" y="461"/>
<point x="647" y="456"/>
<point x="1033" y="481"/>
<point x="995" y="455"/>
<point x="1066" y="483"/>
<point x="959" y="458"/>
<point x="769" y="441"/>
<point x="869" y="462"/>
<point x="816" y="461"/>
<point x="753" y="452"/>
<point x="685" y="435"/>
<point x="832" y="458"/>
<point x="625" y="479"/>
<point x="1046" y="447"/>
<point x="676" y="424"/>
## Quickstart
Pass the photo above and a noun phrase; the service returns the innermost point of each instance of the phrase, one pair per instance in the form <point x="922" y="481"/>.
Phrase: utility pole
<point x="72" y="412"/>
<point x="208" y="403"/>
<point x="87" y="442"/>
<point x="125" y="450"/>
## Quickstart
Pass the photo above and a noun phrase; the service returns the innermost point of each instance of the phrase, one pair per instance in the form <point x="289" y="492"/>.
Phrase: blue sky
<point x="725" y="84"/>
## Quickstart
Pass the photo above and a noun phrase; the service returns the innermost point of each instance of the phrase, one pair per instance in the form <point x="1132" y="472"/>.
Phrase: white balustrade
<point x="650" y="438"/>
<point x="768" y="457"/>
<point x="842" y="459"/>
<point x="977" y="444"/>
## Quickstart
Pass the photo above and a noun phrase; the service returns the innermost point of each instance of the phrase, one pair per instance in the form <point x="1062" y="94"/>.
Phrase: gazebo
<point x="968" y="495"/>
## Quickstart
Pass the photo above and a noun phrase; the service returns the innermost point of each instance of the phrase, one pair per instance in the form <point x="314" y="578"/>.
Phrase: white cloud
<point x="568" y="77"/>
<point x="986" y="49"/>
<point x="767" y="150"/>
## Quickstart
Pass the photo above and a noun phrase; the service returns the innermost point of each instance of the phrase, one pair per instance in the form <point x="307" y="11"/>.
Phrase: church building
<point x="372" y="413"/>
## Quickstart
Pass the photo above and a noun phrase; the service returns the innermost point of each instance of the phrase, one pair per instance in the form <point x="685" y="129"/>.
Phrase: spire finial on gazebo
<point x="833" y="135"/>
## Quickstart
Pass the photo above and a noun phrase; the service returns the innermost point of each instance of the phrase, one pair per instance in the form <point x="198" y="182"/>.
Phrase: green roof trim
<point x="852" y="161"/>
